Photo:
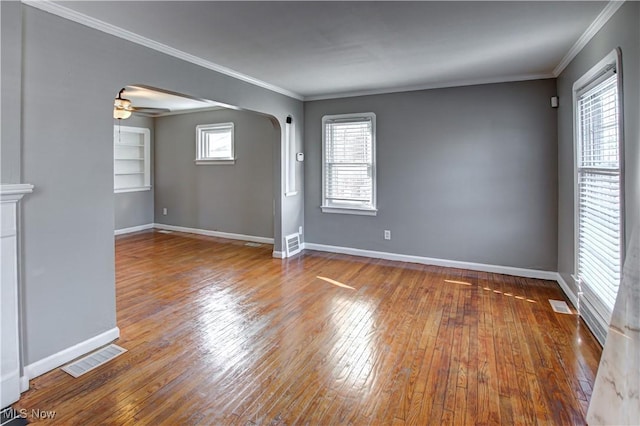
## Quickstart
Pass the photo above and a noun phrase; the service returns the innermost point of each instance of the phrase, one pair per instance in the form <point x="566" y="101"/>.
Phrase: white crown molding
<point x="96" y="24"/>
<point x="418" y="87"/>
<point x="48" y="6"/>
<point x="609" y="10"/>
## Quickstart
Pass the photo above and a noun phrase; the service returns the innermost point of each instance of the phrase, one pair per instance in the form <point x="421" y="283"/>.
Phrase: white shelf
<point x="131" y="159"/>
<point x="135" y="145"/>
<point x="133" y="189"/>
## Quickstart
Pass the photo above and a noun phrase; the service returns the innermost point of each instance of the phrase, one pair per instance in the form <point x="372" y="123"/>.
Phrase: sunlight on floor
<point x="354" y="347"/>
<point x="336" y="283"/>
<point x="223" y="330"/>
<point x="509" y="295"/>
<point x="457" y="282"/>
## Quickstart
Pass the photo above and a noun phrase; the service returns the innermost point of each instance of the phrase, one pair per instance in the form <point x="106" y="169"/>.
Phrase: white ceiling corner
<point x="609" y="10"/>
<point x="320" y="50"/>
<point x="80" y="18"/>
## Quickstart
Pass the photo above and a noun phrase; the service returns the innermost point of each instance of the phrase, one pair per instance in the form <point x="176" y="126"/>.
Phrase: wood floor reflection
<point x="221" y="333"/>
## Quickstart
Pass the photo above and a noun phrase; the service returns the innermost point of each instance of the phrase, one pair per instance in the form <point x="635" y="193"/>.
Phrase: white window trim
<point x="146" y="133"/>
<point x="289" y="159"/>
<point x="326" y="208"/>
<point x="612" y="59"/>
<point x="200" y="130"/>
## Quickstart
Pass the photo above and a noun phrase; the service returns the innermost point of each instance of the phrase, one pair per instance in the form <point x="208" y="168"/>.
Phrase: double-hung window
<point x="215" y="144"/>
<point x="599" y="198"/>
<point x="349" y="164"/>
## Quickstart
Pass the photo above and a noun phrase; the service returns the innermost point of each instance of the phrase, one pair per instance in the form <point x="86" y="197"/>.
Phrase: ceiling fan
<point x="122" y="108"/>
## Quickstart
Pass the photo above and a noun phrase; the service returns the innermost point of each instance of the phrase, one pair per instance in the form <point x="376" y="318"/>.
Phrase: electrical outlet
<point x="300" y="230"/>
<point x="164" y="211"/>
<point x="387" y="234"/>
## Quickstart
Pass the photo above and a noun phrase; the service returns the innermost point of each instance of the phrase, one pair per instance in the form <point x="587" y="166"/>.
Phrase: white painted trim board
<point x="15" y="188"/>
<point x="62" y="357"/>
<point x="573" y="298"/>
<point x="133" y="229"/>
<point x="603" y="17"/>
<point x="507" y="270"/>
<point x="229" y="235"/>
<point x="482" y="267"/>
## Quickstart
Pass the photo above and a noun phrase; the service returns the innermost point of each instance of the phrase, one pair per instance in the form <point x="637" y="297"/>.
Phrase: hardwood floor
<point x="221" y="333"/>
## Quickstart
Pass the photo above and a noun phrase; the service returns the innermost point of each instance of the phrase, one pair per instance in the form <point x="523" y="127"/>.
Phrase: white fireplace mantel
<point x="10" y="195"/>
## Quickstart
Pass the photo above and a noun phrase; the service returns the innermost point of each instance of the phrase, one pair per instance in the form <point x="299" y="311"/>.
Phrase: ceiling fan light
<point x="121" y="107"/>
<point x="122" y="103"/>
<point x="121" y="113"/>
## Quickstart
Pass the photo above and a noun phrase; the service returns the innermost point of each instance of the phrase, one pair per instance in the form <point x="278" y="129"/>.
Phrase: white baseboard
<point x="228" y="235"/>
<point x="64" y="356"/>
<point x="573" y="298"/>
<point x="278" y="254"/>
<point x="507" y="270"/>
<point x="24" y="384"/>
<point x="133" y="229"/>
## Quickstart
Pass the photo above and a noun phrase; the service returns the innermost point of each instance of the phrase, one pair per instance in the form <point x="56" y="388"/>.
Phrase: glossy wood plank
<point x="221" y="333"/>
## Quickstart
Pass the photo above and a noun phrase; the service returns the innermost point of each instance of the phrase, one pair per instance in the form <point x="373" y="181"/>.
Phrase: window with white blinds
<point x="599" y="221"/>
<point x="348" y="163"/>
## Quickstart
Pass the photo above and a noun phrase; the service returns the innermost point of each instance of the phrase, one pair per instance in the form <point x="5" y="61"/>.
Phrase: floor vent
<point x="292" y="244"/>
<point x="560" y="306"/>
<point x="94" y="360"/>
<point x="164" y="231"/>
<point x="253" y="244"/>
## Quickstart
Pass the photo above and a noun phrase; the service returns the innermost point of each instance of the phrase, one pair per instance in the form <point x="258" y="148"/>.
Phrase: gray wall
<point x="622" y="30"/>
<point x="68" y="222"/>
<point x="11" y="85"/>
<point x="136" y="208"/>
<point x="465" y="174"/>
<point x="234" y="198"/>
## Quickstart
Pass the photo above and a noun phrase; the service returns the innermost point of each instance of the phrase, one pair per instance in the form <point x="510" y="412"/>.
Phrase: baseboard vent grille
<point x="250" y="244"/>
<point x="560" y="306"/>
<point x="94" y="360"/>
<point x="292" y="244"/>
<point x="164" y="231"/>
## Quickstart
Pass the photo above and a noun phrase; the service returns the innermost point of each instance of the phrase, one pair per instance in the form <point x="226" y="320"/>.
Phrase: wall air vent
<point x="292" y="244"/>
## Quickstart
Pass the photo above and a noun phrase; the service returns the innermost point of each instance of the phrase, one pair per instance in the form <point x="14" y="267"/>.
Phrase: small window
<point x="214" y="144"/>
<point x="349" y="164"/>
<point x="131" y="159"/>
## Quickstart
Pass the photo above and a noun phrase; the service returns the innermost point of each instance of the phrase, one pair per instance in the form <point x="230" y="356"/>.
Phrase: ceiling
<point x="323" y="49"/>
<point x="155" y="102"/>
